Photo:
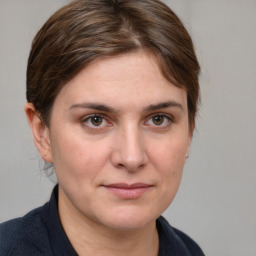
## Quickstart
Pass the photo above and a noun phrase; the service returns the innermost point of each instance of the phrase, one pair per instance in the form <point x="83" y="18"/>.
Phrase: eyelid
<point x="169" y="116"/>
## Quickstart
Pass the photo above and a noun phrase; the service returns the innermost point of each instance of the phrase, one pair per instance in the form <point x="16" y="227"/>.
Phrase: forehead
<point x="135" y="66"/>
<point x="133" y="78"/>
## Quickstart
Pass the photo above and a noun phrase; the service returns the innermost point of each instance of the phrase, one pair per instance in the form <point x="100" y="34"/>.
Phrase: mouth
<point x="128" y="191"/>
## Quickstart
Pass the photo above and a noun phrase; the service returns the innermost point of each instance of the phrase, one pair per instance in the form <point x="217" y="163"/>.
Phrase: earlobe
<point x="40" y="132"/>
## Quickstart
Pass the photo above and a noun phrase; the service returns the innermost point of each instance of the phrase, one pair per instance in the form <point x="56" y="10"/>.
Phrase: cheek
<point x="170" y="152"/>
<point x="169" y="160"/>
<point x="76" y="157"/>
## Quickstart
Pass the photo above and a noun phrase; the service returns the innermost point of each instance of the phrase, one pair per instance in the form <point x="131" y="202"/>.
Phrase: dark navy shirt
<point x="40" y="233"/>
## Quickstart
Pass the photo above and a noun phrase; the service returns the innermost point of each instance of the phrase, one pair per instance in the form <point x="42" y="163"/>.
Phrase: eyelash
<point x="168" y="120"/>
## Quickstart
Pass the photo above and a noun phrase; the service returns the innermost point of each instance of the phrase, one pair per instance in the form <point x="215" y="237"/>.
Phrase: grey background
<point x="216" y="203"/>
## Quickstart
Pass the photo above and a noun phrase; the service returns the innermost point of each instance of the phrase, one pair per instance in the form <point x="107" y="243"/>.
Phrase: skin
<point x="119" y="121"/>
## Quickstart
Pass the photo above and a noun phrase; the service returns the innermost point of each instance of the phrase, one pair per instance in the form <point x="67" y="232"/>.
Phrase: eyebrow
<point x="166" y="104"/>
<point x="95" y="106"/>
<point x="151" y="107"/>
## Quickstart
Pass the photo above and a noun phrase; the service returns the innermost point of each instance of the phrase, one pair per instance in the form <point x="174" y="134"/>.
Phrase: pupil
<point x="158" y="120"/>
<point x="97" y="120"/>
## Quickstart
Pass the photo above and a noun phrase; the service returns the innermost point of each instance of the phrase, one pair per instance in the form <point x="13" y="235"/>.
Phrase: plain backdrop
<point x="216" y="203"/>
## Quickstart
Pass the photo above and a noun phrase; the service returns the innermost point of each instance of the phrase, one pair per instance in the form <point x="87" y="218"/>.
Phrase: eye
<point x="95" y="121"/>
<point x="160" y="120"/>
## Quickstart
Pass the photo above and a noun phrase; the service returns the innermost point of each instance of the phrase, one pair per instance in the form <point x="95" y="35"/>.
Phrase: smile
<point x="126" y="191"/>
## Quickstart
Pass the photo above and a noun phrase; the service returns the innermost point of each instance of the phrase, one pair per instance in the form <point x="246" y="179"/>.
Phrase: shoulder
<point x="175" y="241"/>
<point x="191" y="245"/>
<point x="23" y="236"/>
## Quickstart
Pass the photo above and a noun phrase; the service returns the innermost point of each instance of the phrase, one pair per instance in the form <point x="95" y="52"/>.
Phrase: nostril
<point x="130" y="166"/>
<point x="120" y="165"/>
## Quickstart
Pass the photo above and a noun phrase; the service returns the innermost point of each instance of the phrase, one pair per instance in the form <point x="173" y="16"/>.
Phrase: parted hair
<point x="86" y="30"/>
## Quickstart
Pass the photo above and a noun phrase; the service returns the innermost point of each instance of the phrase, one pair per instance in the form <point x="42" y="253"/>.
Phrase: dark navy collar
<point x="57" y="236"/>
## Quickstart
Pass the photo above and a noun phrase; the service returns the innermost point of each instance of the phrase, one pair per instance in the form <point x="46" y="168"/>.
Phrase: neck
<point x="89" y="238"/>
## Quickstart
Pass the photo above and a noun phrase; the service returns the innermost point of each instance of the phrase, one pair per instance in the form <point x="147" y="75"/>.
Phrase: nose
<point x="129" y="151"/>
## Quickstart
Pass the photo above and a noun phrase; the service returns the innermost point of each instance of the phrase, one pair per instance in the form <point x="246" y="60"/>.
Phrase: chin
<point x="130" y="219"/>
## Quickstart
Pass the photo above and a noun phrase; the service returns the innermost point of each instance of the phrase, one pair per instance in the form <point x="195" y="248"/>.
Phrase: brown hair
<point x="86" y="30"/>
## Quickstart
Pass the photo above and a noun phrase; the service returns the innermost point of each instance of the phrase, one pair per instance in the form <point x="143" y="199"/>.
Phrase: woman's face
<point x="119" y="135"/>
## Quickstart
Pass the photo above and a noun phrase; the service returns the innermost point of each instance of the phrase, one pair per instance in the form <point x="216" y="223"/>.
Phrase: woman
<point x="112" y="92"/>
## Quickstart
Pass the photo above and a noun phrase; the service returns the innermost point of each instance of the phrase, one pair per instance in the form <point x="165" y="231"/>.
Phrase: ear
<point x="190" y="136"/>
<point x="40" y="132"/>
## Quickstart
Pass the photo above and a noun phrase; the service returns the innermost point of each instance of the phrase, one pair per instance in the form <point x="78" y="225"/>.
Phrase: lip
<point x="128" y="191"/>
